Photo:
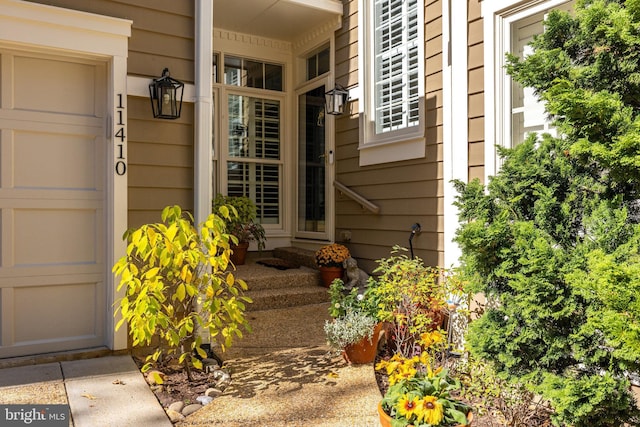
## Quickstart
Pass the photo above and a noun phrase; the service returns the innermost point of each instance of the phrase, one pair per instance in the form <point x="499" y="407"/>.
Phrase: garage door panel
<point x="50" y="155"/>
<point x="54" y="236"/>
<point x="41" y="84"/>
<point x="42" y="312"/>
<point x="52" y="203"/>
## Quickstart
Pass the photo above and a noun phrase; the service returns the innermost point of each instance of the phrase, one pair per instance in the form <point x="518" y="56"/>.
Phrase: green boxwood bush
<point x="553" y="239"/>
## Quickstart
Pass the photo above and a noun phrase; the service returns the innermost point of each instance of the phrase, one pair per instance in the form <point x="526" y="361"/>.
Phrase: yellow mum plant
<point x="332" y="255"/>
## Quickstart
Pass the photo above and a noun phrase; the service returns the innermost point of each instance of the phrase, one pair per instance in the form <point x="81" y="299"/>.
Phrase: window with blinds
<point x="391" y="69"/>
<point x="254" y="147"/>
<point x="396" y="79"/>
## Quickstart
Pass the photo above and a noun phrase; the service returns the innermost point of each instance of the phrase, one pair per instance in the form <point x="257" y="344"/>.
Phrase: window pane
<point x="232" y="71"/>
<point x="254" y="127"/>
<point x="255" y="74"/>
<point x="248" y="73"/>
<point x="312" y="67"/>
<point x="323" y="61"/>
<point x="259" y="182"/>
<point x="318" y="63"/>
<point x="273" y="77"/>
<point x="527" y="111"/>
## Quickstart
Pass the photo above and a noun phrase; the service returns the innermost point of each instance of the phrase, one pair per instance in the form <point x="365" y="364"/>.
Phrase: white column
<point x="203" y="110"/>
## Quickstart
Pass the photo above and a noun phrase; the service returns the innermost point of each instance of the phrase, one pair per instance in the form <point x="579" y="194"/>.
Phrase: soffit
<point x="275" y="19"/>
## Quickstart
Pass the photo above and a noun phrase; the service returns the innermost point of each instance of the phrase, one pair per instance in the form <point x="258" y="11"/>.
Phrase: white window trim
<point x="42" y="27"/>
<point x="456" y="100"/>
<point x="404" y="144"/>
<point x="498" y="16"/>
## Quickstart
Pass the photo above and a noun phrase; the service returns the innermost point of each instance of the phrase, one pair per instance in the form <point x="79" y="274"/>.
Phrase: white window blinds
<point x="396" y="64"/>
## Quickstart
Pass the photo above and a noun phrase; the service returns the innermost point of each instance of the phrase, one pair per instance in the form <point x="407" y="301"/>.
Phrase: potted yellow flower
<point x="419" y="395"/>
<point x="329" y="259"/>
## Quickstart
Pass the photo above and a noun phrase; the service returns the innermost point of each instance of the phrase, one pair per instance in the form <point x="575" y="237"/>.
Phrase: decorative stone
<point x="177" y="406"/>
<point x="205" y="400"/>
<point x="213" y="392"/>
<point x="157" y="388"/>
<point x="174" y="416"/>
<point x="220" y="374"/>
<point x="222" y="379"/>
<point x="190" y="409"/>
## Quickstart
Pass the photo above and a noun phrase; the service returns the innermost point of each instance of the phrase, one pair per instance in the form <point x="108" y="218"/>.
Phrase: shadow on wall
<point x="407" y="192"/>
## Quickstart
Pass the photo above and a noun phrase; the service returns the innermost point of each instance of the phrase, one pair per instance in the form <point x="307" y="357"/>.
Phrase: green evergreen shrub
<point x="553" y="239"/>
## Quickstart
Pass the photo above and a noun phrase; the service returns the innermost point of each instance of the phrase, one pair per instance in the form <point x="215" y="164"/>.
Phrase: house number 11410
<point x="119" y="138"/>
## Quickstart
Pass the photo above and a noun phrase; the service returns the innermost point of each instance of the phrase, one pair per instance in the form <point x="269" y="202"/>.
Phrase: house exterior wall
<point x="160" y="152"/>
<point x="407" y="192"/>
<point x="476" y="91"/>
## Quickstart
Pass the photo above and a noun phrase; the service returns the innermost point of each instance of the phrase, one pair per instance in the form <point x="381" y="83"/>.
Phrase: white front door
<point x="52" y="203"/>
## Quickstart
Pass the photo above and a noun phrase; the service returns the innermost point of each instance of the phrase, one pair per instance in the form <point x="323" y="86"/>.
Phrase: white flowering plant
<point x="356" y="299"/>
<point x="354" y="314"/>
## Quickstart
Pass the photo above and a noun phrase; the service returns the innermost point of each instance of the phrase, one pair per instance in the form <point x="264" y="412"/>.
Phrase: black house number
<point x="119" y="138"/>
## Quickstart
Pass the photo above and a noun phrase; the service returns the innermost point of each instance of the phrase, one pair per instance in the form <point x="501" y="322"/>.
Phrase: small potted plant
<point x="419" y="394"/>
<point x="329" y="260"/>
<point x="242" y="225"/>
<point x="355" y="329"/>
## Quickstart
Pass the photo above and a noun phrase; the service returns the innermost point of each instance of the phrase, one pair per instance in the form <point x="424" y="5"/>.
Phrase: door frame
<point x="329" y="123"/>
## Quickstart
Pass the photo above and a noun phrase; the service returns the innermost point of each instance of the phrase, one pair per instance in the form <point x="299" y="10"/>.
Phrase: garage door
<point x="52" y="203"/>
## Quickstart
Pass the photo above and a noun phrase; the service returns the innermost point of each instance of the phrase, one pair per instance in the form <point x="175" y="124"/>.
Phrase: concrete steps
<point x="274" y="289"/>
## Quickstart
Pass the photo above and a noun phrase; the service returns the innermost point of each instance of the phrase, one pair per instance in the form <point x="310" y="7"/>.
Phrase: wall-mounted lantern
<point x="166" y="96"/>
<point x="336" y="100"/>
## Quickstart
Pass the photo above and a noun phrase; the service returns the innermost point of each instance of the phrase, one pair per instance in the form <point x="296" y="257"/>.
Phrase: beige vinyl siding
<point x="406" y="192"/>
<point x="476" y="92"/>
<point x="161" y="35"/>
<point x="160" y="162"/>
<point x="160" y="152"/>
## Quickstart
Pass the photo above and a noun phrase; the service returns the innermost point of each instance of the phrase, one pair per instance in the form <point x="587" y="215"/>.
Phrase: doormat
<point x="278" y="263"/>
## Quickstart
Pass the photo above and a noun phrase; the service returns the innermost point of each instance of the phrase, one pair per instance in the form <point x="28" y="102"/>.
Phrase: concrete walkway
<point x="101" y="392"/>
<point x="283" y="374"/>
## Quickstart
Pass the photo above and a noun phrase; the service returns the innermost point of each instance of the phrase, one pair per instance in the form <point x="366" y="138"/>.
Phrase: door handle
<point x="324" y="156"/>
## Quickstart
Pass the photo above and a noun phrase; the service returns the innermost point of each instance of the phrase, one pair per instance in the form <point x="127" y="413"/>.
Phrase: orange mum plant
<point x="332" y="255"/>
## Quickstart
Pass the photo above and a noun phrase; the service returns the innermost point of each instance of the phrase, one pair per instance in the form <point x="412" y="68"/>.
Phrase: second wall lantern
<point x="166" y="96"/>
<point x="336" y="100"/>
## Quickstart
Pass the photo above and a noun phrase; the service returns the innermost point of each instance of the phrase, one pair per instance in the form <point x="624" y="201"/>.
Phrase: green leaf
<point x="201" y="352"/>
<point x="180" y="292"/>
<point x="196" y="363"/>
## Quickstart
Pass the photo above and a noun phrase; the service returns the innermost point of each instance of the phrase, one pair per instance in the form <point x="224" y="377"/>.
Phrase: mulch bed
<point x="177" y="387"/>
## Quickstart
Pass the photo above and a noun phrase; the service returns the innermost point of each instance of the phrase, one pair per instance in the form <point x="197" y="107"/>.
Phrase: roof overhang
<point x="284" y="20"/>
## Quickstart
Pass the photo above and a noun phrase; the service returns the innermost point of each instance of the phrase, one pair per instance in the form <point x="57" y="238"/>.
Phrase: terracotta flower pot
<point x="329" y="274"/>
<point x="385" y="419"/>
<point x="363" y="351"/>
<point x="239" y="253"/>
